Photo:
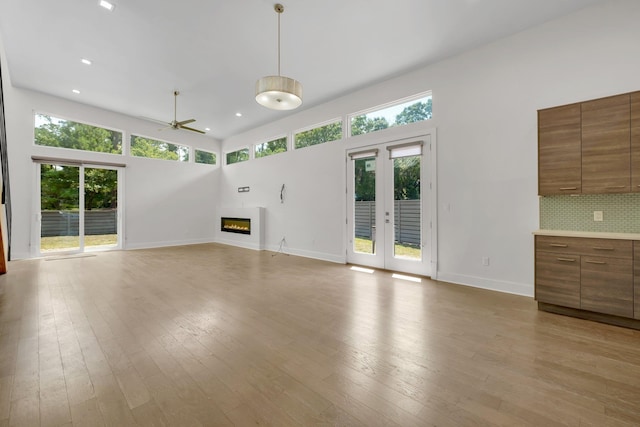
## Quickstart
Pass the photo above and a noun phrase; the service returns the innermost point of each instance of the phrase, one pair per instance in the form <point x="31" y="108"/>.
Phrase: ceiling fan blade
<point x="191" y="129"/>
<point x="184" y="122"/>
<point x="165" y="128"/>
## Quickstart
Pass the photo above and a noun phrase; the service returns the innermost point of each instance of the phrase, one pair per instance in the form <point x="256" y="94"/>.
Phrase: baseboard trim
<point x="152" y="245"/>
<point x="322" y="256"/>
<point x="589" y="315"/>
<point x="490" y="284"/>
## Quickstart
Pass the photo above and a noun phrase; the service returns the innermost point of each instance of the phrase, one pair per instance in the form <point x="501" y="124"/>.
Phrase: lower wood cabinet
<point x="606" y="285"/>
<point x="591" y="275"/>
<point x="636" y="279"/>
<point x="558" y="279"/>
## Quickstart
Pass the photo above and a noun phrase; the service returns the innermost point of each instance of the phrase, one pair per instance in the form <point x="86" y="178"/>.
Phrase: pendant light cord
<point x="279" y="13"/>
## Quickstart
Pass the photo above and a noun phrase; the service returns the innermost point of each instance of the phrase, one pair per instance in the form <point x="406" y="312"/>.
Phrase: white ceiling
<point x="214" y="51"/>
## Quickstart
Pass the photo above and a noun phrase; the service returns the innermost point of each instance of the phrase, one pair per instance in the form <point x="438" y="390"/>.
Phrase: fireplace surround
<point x="244" y="227"/>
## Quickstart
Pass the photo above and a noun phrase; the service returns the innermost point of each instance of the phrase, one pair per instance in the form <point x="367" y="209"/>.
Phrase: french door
<point x="389" y="219"/>
<point x="78" y="208"/>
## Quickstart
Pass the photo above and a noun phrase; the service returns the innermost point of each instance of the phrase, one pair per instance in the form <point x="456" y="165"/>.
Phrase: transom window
<point x="238" y="156"/>
<point x="154" y="149"/>
<point x="205" y="157"/>
<point x="400" y="113"/>
<point x="319" y="135"/>
<point x="275" y="146"/>
<point x="55" y="132"/>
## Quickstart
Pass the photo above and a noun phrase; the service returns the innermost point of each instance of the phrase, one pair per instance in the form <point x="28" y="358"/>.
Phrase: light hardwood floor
<point x="216" y="335"/>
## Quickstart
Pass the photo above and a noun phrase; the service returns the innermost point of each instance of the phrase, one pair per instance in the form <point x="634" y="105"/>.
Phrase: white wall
<point x="484" y="106"/>
<point x="307" y="218"/>
<point x="166" y="203"/>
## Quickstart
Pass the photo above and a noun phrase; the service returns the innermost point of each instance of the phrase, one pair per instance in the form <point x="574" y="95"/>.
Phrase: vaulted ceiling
<point x="214" y="51"/>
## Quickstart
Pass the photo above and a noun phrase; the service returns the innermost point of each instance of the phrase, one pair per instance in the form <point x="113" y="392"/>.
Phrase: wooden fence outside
<point x="66" y="223"/>
<point x="407" y="225"/>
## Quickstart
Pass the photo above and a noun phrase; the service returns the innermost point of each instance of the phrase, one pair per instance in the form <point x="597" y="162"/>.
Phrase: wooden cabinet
<point x="636" y="279"/>
<point x="558" y="279"/>
<point x="559" y="150"/>
<point x="635" y="141"/>
<point x="606" y="285"/>
<point x="606" y="146"/>
<point x="591" y="147"/>
<point x="594" y="275"/>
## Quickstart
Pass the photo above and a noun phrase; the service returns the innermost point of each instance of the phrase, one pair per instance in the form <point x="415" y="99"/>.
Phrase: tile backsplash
<point x="621" y="212"/>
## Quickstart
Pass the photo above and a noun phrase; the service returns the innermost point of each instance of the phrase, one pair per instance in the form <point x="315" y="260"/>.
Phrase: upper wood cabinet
<point x="606" y="147"/>
<point x="591" y="147"/>
<point x="559" y="150"/>
<point x="635" y="141"/>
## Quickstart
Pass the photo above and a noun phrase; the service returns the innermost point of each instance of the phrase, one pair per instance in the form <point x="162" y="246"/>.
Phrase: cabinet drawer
<point x="558" y="279"/>
<point x="607" y="285"/>
<point x="584" y="246"/>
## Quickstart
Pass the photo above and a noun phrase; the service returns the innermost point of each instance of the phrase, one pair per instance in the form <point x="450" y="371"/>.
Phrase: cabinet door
<point x="559" y="165"/>
<point x="635" y="141"/>
<point x="558" y="279"/>
<point x="606" y="145"/>
<point x="607" y="285"/>
<point x="636" y="280"/>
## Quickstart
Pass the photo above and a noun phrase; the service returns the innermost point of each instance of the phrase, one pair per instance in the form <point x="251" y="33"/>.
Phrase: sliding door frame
<point x="36" y="228"/>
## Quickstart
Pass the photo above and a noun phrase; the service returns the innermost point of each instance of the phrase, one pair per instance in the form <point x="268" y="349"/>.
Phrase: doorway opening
<point x="389" y="203"/>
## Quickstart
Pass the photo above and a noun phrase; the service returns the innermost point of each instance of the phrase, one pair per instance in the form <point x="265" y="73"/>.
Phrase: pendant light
<point x="279" y="92"/>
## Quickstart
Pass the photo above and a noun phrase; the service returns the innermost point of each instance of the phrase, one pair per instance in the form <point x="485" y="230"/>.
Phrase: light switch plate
<point x="597" y="216"/>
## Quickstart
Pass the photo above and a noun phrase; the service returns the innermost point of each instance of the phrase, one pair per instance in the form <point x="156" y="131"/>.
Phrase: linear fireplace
<point x="235" y="225"/>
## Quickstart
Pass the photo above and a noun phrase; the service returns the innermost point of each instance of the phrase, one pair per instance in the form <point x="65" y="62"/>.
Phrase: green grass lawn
<point x="61" y="243"/>
<point x="402" y="251"/>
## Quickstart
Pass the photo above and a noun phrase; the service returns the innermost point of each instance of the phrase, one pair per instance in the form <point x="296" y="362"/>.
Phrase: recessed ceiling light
<point x="107" y="5"/>
<point x="86" y="61"/>
<point x="207" y="129"/>
<point x="76" y="91"/>
<point x="238" y="114"/>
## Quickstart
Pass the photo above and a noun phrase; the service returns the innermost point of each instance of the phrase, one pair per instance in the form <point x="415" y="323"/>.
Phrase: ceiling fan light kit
<point x="279" y="92"/>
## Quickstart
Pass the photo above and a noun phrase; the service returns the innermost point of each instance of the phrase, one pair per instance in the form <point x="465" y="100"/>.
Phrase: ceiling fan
<point x="175" y="124"/>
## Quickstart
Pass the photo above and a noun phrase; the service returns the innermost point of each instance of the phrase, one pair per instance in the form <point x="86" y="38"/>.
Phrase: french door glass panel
<point x="364" y="238"/>
<point x="407" y="208"/>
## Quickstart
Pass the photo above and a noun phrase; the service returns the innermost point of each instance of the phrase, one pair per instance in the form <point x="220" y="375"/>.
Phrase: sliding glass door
<point x="79" y="208"/>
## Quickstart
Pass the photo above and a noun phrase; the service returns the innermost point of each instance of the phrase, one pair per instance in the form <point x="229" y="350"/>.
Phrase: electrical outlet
<point x="485" y="261"/>
<point x="597" y="216"/>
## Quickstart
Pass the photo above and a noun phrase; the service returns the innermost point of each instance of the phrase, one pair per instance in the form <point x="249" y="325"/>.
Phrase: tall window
<point x="238" y="156"/>
<point x="402" y="113"/>
<point x="205" y="157"/>
<point x="55" y="132"/>
<point x="268" y="148"/>
<point x="154" y="149"/>
<point x="319" y="135"/>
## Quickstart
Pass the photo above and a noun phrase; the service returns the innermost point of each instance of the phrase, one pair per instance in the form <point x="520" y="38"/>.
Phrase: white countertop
<point x="588" y="234"/>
